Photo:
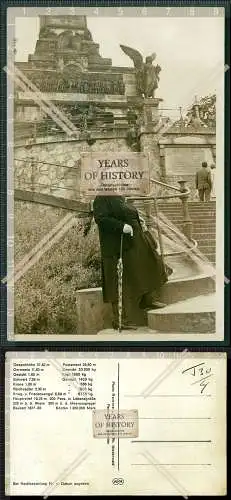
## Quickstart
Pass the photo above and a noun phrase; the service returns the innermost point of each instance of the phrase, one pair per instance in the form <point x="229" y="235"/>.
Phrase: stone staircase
<point x="193" y="311"/>
<point x="190" y="299"/>
<point x="203" y="216"/>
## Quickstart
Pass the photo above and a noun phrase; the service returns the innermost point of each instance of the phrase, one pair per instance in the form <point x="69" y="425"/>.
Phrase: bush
<point x="45" y="297"/>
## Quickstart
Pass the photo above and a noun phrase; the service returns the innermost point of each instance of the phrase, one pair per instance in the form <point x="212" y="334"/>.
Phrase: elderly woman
<point x="143" y="269"/>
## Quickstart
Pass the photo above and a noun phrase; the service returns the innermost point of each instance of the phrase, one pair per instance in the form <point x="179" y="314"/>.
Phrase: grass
<point x="45" y="297"/>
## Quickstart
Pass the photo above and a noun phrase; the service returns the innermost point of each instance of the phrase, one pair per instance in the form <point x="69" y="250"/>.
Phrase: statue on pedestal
<point x="147" y="75"/>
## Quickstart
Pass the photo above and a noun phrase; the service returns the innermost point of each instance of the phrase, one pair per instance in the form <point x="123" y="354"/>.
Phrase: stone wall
<point x="49" y="164"/>
<point x="53" y="167"/>
<point x="181" y="154"/>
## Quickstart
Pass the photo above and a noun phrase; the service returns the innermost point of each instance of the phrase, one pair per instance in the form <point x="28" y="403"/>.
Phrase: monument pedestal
<point x="149" y="136"/>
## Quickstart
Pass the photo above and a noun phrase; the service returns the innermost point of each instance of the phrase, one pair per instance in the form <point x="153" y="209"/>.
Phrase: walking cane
<point x="120" y="284"/>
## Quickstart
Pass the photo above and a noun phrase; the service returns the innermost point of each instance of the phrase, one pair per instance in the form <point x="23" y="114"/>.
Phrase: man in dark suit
<point x="204" y="182"/>
<point x="143" y="271"/>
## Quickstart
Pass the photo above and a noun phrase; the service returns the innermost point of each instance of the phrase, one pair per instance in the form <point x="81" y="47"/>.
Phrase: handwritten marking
<point x="200" y="372"/>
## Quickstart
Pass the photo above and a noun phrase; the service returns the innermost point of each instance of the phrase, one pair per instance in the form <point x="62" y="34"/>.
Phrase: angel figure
<point x="147" y="75"/>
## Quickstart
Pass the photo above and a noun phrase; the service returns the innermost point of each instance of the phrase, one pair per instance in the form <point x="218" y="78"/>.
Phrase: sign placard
<point x="121" y="173"/>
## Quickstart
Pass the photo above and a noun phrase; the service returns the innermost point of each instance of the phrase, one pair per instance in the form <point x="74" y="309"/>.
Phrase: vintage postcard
<point x="115" y="423"/>
<point x="115" y="173"/>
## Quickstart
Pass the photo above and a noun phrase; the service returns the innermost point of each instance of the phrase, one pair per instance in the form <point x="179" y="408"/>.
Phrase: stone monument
<point x="112" y="107"/>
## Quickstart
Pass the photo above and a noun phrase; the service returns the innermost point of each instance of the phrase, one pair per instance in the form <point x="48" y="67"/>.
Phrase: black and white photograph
<point x="115" y="174"/>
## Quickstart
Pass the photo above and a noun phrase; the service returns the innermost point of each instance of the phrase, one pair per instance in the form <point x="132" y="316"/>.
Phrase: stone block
<point x="198" y="322"/>
<point x="195" y="315"/>
<point x="175" y="291"/>
<point x="92" y="314"/>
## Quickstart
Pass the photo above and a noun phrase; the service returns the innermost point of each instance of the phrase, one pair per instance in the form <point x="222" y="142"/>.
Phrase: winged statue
<point x="147" y="75"/>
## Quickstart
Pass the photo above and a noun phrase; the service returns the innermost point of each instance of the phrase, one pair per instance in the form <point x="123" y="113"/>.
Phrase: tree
<point x="202" y="113"/>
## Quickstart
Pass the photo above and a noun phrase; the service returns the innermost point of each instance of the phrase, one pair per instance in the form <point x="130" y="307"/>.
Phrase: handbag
<point x="150" y="240"/>
<point x="165" y="270"/>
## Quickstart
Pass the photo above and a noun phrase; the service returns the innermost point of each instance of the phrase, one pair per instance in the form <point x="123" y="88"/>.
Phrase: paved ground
<point x="145" y="334"/>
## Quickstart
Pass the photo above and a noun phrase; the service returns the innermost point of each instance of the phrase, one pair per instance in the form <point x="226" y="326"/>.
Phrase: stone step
<point x="199" y="206"/>
<point x="93" y="315"/>
<point x="198" y="219"/>
<point x="210" y="248"/>
<point x="203" y="217"/>
<point x="201" y="235"/>
<point x="211" y="257"/>
<point x="199" y="215"/>
<point x="196" y="314"/>
<point x="191" y="204"/>
<point x="178" y="290"/>
<point x="208" y="255"/>
<point x="179" y="214"/>
<point x="207" y="249"/>
<point x="191" y="210"/>
<point x="201" y="227"/>
<point x="197" y="224"/>
<point x="198" y="228"/>
<point x="206" y="242"/>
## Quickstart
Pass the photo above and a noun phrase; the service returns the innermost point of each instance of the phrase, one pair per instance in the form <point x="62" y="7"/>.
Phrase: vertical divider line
<point x="118" y="407"/>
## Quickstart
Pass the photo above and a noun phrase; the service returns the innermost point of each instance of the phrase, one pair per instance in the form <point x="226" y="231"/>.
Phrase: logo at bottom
<point x="118" y="480"/>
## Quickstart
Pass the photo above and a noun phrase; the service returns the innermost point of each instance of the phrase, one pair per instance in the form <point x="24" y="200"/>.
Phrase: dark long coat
<point x="143" y="270"/>
<point x="203" y="179"/>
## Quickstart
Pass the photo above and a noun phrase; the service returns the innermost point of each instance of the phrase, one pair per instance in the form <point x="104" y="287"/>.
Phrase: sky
<point x="190" y="51"/>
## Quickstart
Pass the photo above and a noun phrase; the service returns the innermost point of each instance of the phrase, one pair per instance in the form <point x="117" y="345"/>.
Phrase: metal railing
<point x="151" y="201"/>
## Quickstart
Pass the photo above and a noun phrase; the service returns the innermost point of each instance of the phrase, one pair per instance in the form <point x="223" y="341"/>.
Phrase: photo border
<point x="6" y="194"/>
